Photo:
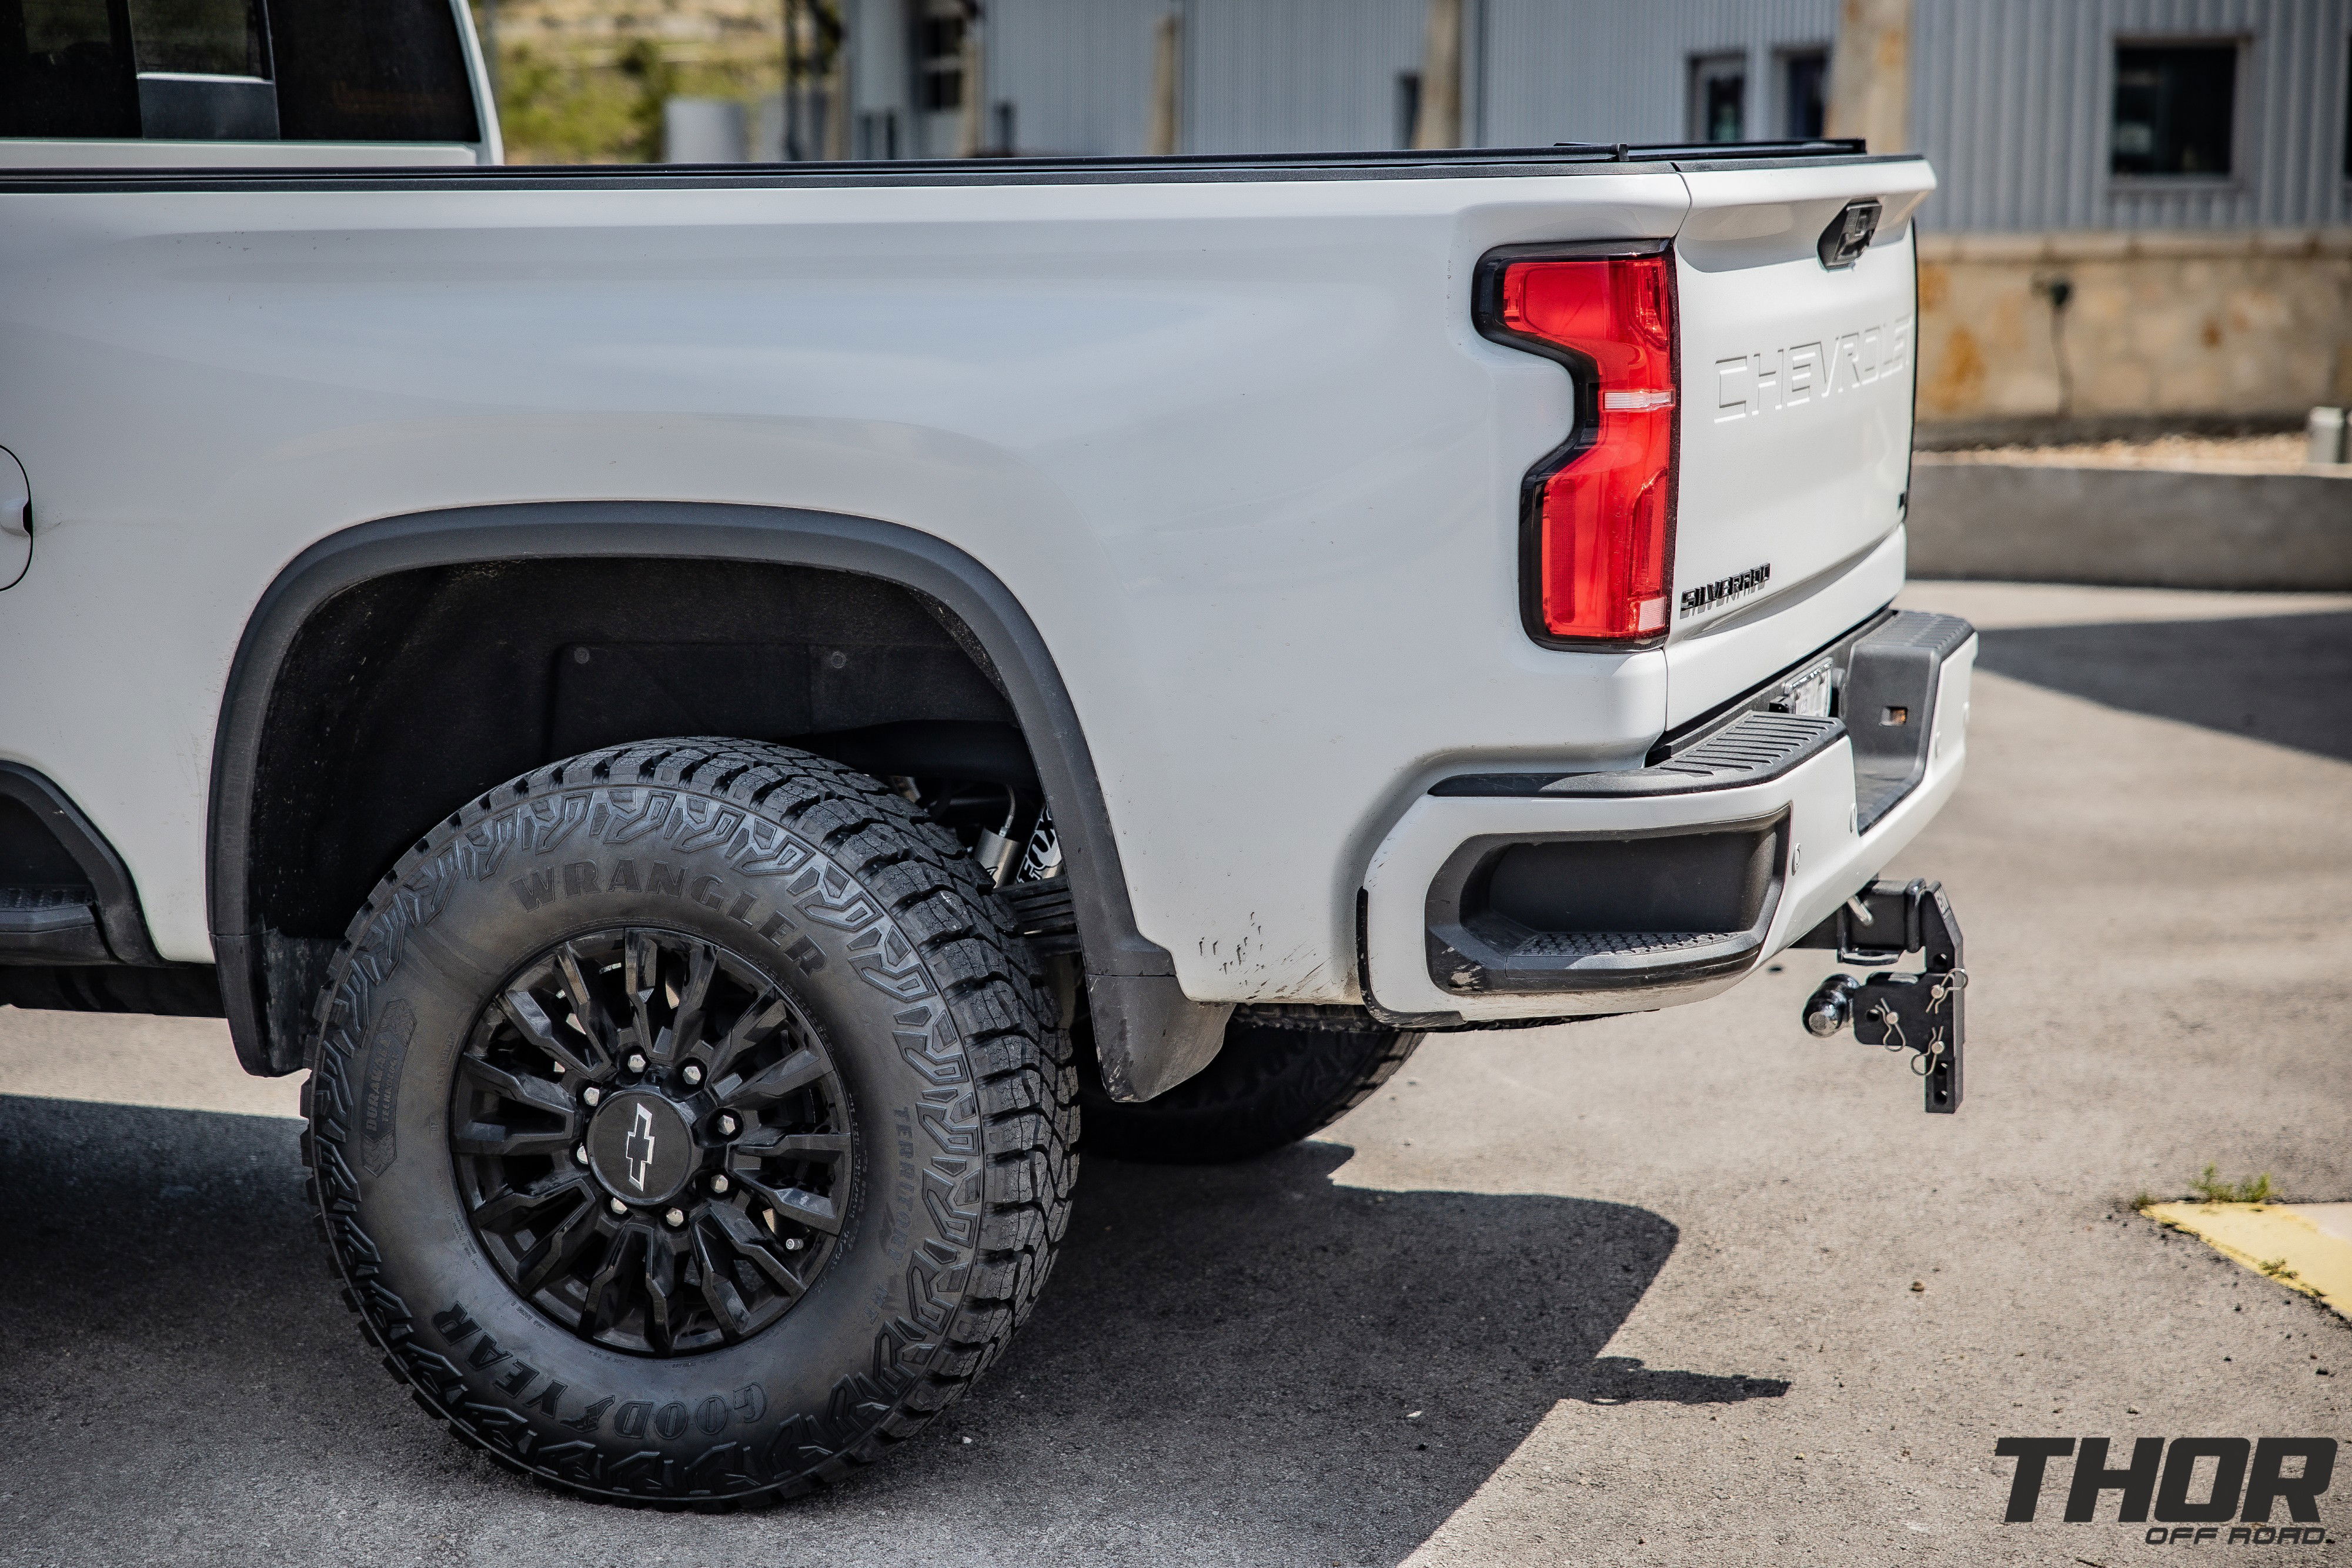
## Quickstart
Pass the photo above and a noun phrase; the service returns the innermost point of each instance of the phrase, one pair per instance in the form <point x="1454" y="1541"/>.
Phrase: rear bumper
<point x="1502" y="897"/>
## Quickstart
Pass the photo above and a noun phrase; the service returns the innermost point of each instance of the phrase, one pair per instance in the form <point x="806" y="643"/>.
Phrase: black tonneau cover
<point x="1454" y="163"/>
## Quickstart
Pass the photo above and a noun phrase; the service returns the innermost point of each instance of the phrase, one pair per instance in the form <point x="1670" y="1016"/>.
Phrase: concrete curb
<point x="2137" y="527"/>
<point x="2274" y="1241"/>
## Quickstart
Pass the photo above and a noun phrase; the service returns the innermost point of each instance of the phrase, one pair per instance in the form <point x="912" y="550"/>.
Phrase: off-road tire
<point x="1284" y="1075"/>
<point x="961" y="1097"/>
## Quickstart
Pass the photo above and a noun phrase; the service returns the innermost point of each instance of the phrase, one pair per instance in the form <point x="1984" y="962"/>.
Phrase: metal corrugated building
<point x="1078" y="72"/>
<point x="1297" y="76"/>
<point x="2012" y="98"/>
<point x="1578" y="72"/>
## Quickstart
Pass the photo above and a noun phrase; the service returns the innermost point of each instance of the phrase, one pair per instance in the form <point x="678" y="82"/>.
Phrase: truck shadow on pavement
<point x="1252" y="1358"/>
<point x="1255" y="1340"/>
<point x="2285" y="679"/>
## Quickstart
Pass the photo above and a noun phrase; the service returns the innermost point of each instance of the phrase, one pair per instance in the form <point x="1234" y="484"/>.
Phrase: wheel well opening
<point x="408" y="694"/>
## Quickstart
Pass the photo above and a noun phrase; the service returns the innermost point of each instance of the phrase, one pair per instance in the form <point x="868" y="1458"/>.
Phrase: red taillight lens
<point x="1603" y="523"/>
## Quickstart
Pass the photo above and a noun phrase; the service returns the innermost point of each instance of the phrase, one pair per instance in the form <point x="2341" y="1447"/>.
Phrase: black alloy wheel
<point x="652" y="1143"/>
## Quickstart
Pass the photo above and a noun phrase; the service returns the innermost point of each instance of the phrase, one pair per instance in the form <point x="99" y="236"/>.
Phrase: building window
<point x="1804" y="93"/>
<point x="2175" y="107"/>
<point x="1408" y="106"/>
<point x="939" y="59"/>
<point x="1718" y="97"/>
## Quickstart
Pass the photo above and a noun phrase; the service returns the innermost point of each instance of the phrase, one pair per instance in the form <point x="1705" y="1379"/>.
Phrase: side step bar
<point x="51" y="926"/>
<point x="73" y="900"/>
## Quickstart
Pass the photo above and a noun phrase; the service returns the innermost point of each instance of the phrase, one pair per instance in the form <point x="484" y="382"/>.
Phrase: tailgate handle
<point x="1849" y="233"/>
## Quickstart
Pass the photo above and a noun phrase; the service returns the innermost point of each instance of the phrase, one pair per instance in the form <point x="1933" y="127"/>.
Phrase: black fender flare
<point x="1150" y="1035"/>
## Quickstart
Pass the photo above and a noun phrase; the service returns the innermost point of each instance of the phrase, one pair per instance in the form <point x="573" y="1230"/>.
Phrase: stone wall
<point x="2157" y="325"/>
<point x="2030" y="522"/>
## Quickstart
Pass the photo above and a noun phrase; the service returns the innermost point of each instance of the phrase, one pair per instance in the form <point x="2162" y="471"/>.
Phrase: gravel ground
<point x="1687" y="1287"/>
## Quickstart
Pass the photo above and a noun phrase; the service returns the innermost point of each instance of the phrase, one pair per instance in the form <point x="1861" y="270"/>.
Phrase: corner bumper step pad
<point x="1576" y="944"/>
<point x="1492" y="955"/>
<point x="1886" y="675"/>
<point x="1607" y="911"/>
<point x="1889" y="698"/>
<point x="1750" y="750"/>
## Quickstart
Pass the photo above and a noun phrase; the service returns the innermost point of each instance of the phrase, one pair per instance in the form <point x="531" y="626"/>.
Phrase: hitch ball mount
<point x="1923" y="1012"/>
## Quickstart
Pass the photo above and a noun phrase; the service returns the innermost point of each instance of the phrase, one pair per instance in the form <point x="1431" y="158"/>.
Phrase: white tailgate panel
<point x="1796" y="407"/>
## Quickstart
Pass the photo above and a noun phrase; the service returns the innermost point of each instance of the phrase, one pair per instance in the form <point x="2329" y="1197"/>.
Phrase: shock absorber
<point x="995" y="847"/>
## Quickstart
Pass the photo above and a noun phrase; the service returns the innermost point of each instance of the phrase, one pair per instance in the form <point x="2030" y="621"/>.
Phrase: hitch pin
<point x="1942" y="989"/>
<point x="1860" y="910"/>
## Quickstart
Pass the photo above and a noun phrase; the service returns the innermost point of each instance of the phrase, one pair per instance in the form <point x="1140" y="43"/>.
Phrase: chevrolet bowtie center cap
<point x="641" y="1147"/>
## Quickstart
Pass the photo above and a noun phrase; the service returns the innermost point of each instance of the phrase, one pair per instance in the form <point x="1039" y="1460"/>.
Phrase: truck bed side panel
<point x="1237" y="448"/>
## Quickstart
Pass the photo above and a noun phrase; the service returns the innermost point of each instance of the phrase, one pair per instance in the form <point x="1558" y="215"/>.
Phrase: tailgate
<point x="1797" y="382"/>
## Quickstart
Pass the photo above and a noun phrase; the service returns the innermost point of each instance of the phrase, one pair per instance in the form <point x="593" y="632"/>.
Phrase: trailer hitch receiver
<point x="1924" y="1013"/>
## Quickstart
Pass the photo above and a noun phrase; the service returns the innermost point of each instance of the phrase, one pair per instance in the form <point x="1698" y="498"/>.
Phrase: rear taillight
<point x="1599" y="511"/>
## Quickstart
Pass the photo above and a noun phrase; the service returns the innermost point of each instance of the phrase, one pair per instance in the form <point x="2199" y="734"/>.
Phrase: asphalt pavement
<point x="1685" y="1287"/>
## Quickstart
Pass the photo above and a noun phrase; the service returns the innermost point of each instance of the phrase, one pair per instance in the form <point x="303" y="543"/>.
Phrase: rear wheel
<point x="1284" y="1075"/>
<point x="687" y="1123"/>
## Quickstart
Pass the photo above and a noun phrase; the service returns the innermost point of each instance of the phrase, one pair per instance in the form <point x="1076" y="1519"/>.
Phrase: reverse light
<point x="1598" y="512"/>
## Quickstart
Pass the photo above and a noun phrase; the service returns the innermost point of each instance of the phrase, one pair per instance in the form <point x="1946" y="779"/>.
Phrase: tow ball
<point x="1924" y="1013"/>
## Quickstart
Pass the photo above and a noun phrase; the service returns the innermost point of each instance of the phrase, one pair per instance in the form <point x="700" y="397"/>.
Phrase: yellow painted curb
<point x="2273" y="1240"/>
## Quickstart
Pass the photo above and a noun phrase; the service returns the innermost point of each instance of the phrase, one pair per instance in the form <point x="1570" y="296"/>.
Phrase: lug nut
<point x="580" y="1154"/>
<point x="559" y="1069"/>
<point x="719" y="1184"/>
<point x="673" y="1217"/>
<point x="590" y="1095"/>
<point x="637" y="1061"/>
<point x="792" y="1243"/>
<point x="693" y="1075"/>
<point x="616" y="1206"/>
<point x="728" y="1125"/>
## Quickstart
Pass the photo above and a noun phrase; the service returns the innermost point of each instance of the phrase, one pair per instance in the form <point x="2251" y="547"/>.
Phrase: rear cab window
<point x="367" y="73"/>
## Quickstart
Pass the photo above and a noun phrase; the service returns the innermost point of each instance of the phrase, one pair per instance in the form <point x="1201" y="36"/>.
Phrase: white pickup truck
<point x="711" y="708"/>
